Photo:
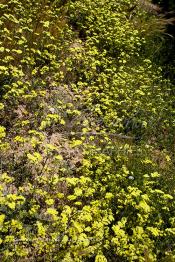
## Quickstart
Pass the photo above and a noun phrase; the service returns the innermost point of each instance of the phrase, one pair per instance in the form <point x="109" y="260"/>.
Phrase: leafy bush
<point x="86" y="136"/>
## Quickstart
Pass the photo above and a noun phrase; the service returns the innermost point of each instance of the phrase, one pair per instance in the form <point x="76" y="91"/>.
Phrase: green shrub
<point x="86" y="136"/>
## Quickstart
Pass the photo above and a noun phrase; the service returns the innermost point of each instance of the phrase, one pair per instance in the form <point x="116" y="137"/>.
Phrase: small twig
<point x="100" y="134"/>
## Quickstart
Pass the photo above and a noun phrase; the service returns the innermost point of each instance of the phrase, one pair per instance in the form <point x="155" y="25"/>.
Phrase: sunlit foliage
<point x="86" y="134"/>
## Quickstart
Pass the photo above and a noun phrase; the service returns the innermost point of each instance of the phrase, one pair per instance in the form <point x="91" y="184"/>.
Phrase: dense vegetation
<point x="87" y="123"/>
